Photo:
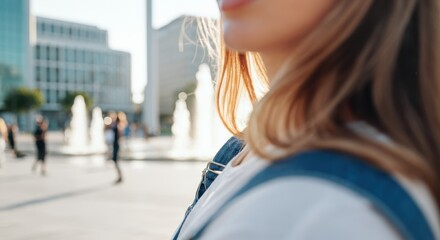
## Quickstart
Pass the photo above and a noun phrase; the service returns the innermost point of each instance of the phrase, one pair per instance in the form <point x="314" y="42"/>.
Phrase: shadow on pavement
<point x="55" y="197"/>
<point x="15" y="178"/>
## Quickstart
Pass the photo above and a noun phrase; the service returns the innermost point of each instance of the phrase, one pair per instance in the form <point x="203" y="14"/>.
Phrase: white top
<point x="296" y="208"/>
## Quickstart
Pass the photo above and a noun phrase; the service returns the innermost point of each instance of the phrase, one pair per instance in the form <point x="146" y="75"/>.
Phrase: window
<point x="46" y="95"/>
<point x="37" y="74"/>
<point x="71" y="75"/>
<point x="105" y="58"/>
<point x="84" y="76"/>
<point x="75" y="55"/>
<point x="43" y="52"/>
<point x="57" y="75"/>
<point x="57" y="29"/>
<point x="53" y="75"/>
<point x="47" y="53"/>
<point x="93" y="36"/>
<point x="40" y="27"/>
<point x="61" y="95"/>
<point x="96" y="58"/>
<point x="53" y="97"/>
<point x="57" y="54"/>
<point x="47" y="74"/>
<point x="53" y="55"/>
<point x="78" y="76"/>
<point x="66" y="54"/>
<point x="42" y="74"/>
<point x="82" y="33"/>
<point x="65" y="76"/>
<point x="75" y="33"/>
<point x="80" y="56"/>
<point x="37" y="52"/>
<point x="71" y="54"/>
<point x="88" y="57"/>
<point x="91" y="77"/>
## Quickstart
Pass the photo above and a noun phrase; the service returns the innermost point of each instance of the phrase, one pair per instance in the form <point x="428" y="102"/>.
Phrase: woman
<point x="353" y="89"/>
<point x="40" y="143"/>
<point x="117" y="127"/>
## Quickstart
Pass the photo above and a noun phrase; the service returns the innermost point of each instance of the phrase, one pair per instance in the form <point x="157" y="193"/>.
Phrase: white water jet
<point x="79" y="139"/>
<point x="181" y="129"/>
<point x="97" y="141"/>
<point x="210" y="134"/>
<point x="204" y="111"/>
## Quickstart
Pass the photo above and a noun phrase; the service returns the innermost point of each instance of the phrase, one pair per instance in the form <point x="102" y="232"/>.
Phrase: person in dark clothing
<point x="11" y="141"/>
<point x="117" y="134"/>
<point x="40" y="142"/>
<point x="117" y="127"/>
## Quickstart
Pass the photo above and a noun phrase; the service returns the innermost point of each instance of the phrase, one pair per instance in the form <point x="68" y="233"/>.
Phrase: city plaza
<point x="78" y="200"/>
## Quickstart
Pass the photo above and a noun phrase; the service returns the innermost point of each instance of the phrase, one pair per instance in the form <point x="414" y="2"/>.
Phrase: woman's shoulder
<point x="297" y="207"/>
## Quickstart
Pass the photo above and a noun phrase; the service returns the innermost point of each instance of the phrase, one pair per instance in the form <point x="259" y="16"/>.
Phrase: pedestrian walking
<point x="11" y="140"/>
<point x="40" y="143"/>
<point x="117" y="128"/>
<point x="109" y="136"/>
<point x="345" y="142"/>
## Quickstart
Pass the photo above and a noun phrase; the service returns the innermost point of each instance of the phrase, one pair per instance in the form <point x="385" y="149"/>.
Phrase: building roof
<point x="180" y="20"/>
<point x="76" y="24"/>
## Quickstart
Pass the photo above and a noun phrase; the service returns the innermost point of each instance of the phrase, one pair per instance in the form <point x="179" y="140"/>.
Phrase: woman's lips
<point x="227" y="5"/>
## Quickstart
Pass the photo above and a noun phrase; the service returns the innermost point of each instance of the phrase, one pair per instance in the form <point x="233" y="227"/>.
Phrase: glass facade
<point x="15" y="56"/>
<point x="71" y="31"/>
<point x="89" y="71"/>
<point x="72" y="57"/>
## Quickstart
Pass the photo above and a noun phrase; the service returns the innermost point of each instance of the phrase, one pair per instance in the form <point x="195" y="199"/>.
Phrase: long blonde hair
<point x="372" y="60"/>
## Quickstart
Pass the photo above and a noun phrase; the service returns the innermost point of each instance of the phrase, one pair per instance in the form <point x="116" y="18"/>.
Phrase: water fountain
<point x="78" y="140"/>
<point x="209" y="133"/>
<point x="97" y="141"/>
<point x="181" y="130"/>
<point x="204" y="112"/>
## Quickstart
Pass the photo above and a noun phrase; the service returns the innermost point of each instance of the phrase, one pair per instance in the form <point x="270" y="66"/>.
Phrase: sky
<point x="125" y="22"/>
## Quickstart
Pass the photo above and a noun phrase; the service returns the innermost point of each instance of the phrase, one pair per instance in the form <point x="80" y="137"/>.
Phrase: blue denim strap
<point x="226" y="153"/>
<point x="380" y="188"/>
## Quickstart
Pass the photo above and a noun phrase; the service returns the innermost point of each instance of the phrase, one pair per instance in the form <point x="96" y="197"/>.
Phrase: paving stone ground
<point x="78" y="200"/>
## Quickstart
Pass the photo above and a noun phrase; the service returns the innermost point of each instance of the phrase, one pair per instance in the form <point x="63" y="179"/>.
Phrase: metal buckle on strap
<point x="208" y="169"/>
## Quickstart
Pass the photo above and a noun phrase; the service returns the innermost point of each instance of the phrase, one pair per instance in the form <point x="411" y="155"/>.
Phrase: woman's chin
<point x="238" y="44"/>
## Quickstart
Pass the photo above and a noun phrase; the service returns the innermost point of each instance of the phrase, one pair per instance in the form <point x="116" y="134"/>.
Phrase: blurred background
<point x="139" y="58"/>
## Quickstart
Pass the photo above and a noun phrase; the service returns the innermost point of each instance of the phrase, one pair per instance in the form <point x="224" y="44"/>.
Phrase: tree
<point x="23" y="99"/>
<point x="67" y="102"/>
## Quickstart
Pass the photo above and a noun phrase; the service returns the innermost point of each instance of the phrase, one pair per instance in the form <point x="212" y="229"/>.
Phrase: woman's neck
<point x="273" y="60"/>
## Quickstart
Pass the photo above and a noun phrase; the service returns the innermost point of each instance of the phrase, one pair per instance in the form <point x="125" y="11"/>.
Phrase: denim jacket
<point x="226" y="153"/>
<point x="214" y="168"/>
<point x="341" y="168"/>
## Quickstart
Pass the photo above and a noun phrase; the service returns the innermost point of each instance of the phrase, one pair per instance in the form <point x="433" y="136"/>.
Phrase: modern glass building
<point x="15" y="46"/>
<point x="72" y="57"/>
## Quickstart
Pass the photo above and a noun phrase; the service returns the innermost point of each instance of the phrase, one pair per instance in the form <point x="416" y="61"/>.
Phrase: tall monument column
<point x="150" y="115"/>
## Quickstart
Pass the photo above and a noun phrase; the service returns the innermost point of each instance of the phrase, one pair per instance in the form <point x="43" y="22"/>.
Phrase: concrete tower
<point x="150" y="115"/>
